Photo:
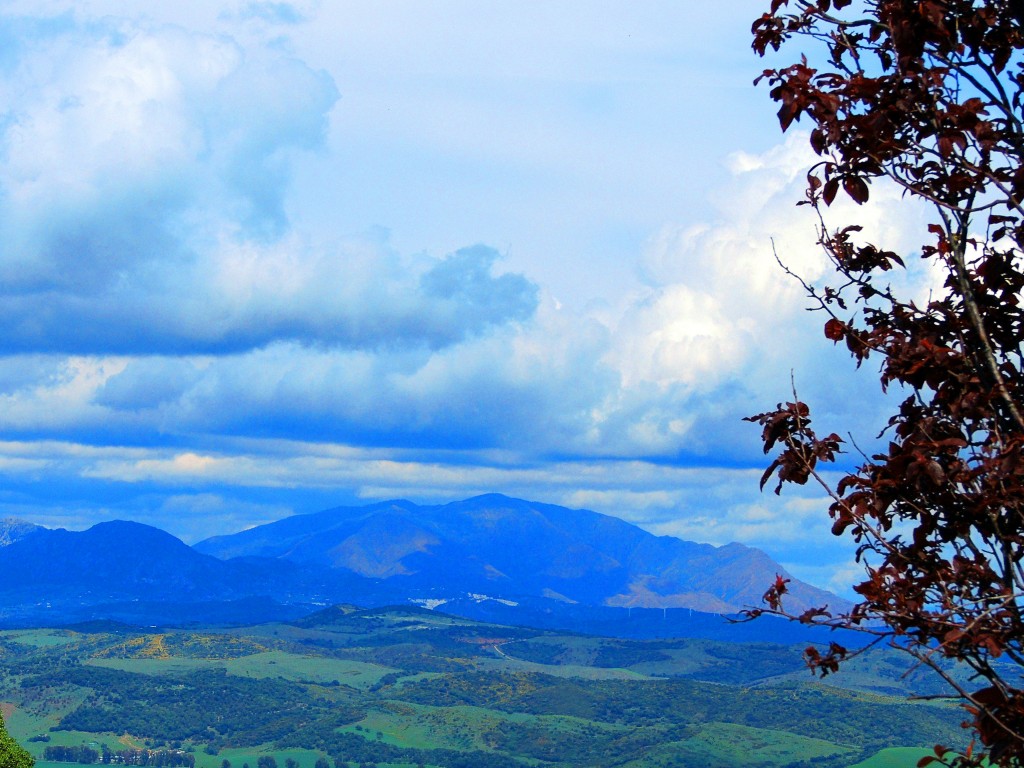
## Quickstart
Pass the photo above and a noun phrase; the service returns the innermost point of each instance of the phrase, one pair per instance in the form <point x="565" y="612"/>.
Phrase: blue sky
<point x="261" y="258"/>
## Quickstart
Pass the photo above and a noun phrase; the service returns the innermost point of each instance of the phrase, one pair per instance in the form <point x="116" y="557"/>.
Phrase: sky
<point x="266" y="258"/>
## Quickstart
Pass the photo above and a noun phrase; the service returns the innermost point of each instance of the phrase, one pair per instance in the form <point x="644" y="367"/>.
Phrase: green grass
<point x="40" y="638"/>
<point x="531" y="736"/>
<point x="740" y="745"/>
<point x="73" y="739"/>
<point x="423" y="727"/>
<point x="722" y="745"/>
<point x="359" y="674"/>
<point x="22" y="724"/>
<point x="316" y="669"/>
<point x="38" y="714"/>
<point x="894" y="757"/>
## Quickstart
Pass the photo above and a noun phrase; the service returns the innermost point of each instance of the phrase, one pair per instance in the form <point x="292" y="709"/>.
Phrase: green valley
<point x="410" y="687"/>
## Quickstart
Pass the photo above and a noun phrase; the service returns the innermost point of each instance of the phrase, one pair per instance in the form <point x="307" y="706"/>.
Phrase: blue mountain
<point x="505" y="547"/>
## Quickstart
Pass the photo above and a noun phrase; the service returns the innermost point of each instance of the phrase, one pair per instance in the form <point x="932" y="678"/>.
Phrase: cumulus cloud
<point x="145" y="174"/>
<point x="464" y="282"/>
<point x="718" y="300"/>
<point x="720" y="329"/>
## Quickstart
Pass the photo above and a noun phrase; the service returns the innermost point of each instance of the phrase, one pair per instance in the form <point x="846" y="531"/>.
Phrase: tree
<point x="927" y="95"/>
<point x="12" y="754"/>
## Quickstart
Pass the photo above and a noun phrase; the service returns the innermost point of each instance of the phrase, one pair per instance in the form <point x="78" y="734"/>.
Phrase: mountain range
<point x="498" y="545"/>
<point x="514" y="551"/>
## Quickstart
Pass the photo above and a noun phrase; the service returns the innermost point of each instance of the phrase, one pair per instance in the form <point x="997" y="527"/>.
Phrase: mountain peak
<point x="129" y="530"/>
<point x="489" y="498"/>
<point x="13" y="529"/>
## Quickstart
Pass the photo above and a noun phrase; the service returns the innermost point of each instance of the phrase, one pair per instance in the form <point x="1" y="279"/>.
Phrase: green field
<point x="410" y="688"/>
<point x="314" y="669"/>
<point x="894" y="757"/>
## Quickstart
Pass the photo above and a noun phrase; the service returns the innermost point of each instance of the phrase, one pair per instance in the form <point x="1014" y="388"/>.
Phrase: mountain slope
<point x="505" y="547"/>
<point x="121" y="561"/>
<point x="117" y="558"/>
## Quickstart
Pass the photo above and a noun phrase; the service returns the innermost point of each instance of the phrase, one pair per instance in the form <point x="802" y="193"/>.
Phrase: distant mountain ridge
<point x="497" y="545"/>
<point x="136" y="573"/>
<point x="118" y="560"/>
<point x="525" y="562"/>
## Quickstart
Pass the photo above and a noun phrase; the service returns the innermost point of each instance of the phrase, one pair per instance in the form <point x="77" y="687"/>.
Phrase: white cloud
<point x="145" y="173"/>
<point x="61" y="399"/>
<point x="711" y="340"/>
<point x="721" y="328"/>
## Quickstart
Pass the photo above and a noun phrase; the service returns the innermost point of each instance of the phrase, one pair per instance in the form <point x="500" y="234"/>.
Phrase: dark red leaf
<point x="835" y="329"/>
<point x="828" y="194"/>
<point x="856" y="188"/>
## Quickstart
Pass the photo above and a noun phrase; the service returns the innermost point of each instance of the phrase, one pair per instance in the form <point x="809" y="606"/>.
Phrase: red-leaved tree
<point x="927" y="95"/>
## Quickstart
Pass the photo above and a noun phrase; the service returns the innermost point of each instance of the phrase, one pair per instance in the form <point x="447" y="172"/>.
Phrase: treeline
<point x="159" y="758"/>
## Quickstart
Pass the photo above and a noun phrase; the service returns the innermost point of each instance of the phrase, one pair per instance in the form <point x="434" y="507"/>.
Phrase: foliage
<point x="76" y="754"/>
<point x="12" y="754"/>
<point x="926" y="95"/>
